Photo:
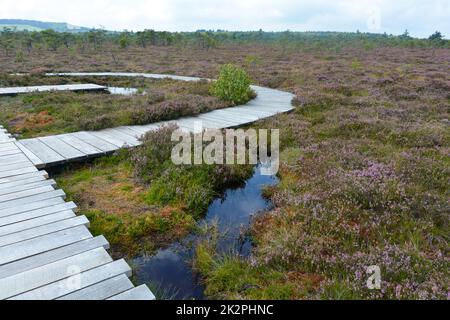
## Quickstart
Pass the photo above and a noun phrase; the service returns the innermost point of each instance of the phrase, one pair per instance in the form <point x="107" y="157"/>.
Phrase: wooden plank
<point x="21" y="177"/>
<point x="47" y="88"/>
<point x="76" y="143"/>
<point x="26" y="186"/>
<point x="139" y="129"/>
<point x="141" y="293"/>
<point x="94" y="141"/>
<point x="226" y="122"/>
<point x="25" y="193"/>
<point x="16" y="166"/>
<point x="62" y="269"/>
<point x="26" y="181"/>
<point x="7" y="146"/>
<point x="17" y="172"/>
<point x="247" y="114"/>
<point x="114" y="134"/>
<point x="114" y="141"/>
<point x="37" y="222"/>
<point x="240" y="115"/>
<point x="214" y="124"/>
<point x="102" y="290"/>
<point x="28" y="200"/>
<point x="62" y="148"/>
<point x="249" y="110"/>
<point x="85" y="279"/>
<point x="43" y="230"/>
<point x="10" y="152"/>
<point x="130" y="137"/>
<point x="44" y="202"/>
<point x="30" y="155"/>
<point x="33" y="253"/>
<point x="12" y="159"/>
<point x="33" y="214"/>
<point x="68" y="246"/>
<point x="129" y="131"/>
<point x="42" y="151"/>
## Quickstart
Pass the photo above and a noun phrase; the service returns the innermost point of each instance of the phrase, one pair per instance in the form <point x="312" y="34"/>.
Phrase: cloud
<point x="421" y="18"/>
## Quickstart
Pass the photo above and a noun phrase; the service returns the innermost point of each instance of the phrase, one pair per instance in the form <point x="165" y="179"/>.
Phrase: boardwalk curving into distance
<point x="58" y="149"/>
<point x="46" y="250"/>
<point x="65" y="87"/>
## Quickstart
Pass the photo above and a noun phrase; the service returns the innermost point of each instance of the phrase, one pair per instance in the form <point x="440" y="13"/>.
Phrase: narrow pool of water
<point x="170" y="269"/>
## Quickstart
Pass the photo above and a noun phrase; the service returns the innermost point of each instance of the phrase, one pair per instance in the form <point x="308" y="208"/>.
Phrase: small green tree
<point x="437" y="36"/>
<point x="233" y="85"/>
<point x="124" y="40"/>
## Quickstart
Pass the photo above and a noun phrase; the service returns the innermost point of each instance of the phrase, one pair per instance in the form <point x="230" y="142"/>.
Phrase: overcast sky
<point x="421" y="18"/>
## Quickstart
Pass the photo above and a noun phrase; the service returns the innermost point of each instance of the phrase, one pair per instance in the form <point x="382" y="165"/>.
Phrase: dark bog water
<point x="170" y="269"/>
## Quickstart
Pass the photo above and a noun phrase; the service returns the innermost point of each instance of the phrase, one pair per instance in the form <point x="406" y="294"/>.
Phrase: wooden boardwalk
<point x="46" y="250"/>
<point x="66" y="87"/>
<point x="58" y="149"/>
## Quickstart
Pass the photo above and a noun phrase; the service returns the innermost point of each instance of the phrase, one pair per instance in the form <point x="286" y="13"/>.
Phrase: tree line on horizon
<point x="26" y="41"/>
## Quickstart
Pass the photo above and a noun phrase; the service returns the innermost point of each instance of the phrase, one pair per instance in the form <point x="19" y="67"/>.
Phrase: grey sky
<point x="421" y="18"/>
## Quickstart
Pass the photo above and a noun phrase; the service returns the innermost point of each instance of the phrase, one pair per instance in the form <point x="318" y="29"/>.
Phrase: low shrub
<point x="233" y="85"/>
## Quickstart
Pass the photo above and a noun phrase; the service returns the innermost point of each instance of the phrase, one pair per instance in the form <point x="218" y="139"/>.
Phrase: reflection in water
<point x="170" y="268"/>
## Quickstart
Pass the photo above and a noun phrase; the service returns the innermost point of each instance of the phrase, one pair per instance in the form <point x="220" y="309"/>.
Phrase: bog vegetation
<point x="364" y="163"/>
<point x="140" y="200"/>
<point x="40" y="114"/>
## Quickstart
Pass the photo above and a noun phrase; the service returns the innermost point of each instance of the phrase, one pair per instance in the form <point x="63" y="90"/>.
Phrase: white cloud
<point x="420" y="17"/>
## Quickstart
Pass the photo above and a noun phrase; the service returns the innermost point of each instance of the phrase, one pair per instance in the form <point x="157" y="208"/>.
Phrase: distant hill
<point x="33" y="25"/>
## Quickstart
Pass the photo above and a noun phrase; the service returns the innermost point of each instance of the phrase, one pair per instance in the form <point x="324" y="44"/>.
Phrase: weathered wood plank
<point x="12" y="159"/>
<point x="129" y="131"/>
<point x="10" y="152"/>
<point x="37" y="222"/>
<point x="84" y="147"/>
<point x="43" y="230"/>
<point x="69" y="244"/>
<point x="25" y="193"/>
<point x="36" y="252"/>
<point x="66" y="87"/>
<point x="42" y="151"/>
<point x="30" y="155"/>
<point x="21" y="177"/>
<point x="85" y="279"/>
<point x="94" y="141"/>
<point x="33" y="214"/>
<point x="118" y="143"/>
<point x="62" y="148"/>
<point x="50" y="199"/>
<point x="62" y="269"/>
<point x="26" y="186"/>
<point x="16" y="166"/>
<point x="112" y="134"/>
<point x="136" y="294"/>
<point x="17" y="172"/>
<point x="29" y="200"/>
<point x="23" y="182"/>
<point x="102" y="290"/>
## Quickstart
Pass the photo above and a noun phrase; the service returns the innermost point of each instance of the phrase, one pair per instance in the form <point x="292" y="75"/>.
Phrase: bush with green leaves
<point x="233" y="85"/>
